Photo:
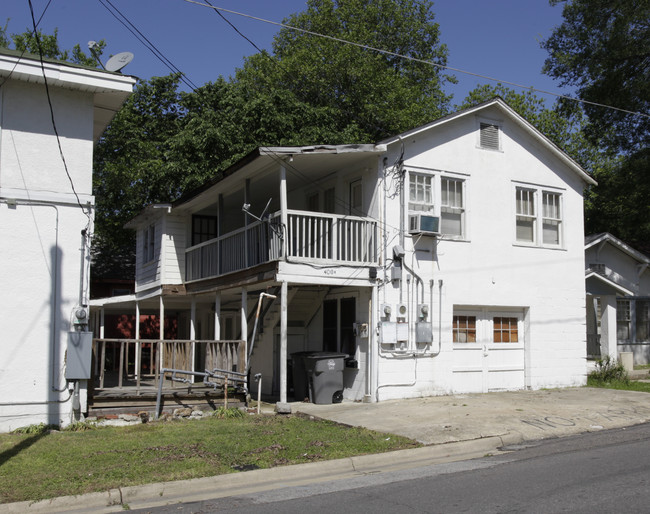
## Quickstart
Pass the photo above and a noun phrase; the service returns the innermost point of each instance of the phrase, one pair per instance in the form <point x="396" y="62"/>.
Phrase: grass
<point x="624" y="385"/>
<point x="42" y="463"/>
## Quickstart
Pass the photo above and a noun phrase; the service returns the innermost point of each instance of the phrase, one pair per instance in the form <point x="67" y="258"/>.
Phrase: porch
<point x="305" y="237"/>
<point x="131" y="375"/>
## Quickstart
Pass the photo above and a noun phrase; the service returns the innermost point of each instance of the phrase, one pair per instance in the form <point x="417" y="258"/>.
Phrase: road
<point x="604" y="471"/>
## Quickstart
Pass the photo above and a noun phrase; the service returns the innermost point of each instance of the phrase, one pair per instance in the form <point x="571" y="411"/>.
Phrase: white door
<point x="488" y="350"/>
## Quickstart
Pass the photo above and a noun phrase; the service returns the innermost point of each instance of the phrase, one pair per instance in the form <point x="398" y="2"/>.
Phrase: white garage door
<point x="488" y="350"/>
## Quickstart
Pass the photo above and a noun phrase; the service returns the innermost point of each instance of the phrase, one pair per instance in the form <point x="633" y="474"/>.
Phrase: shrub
<point x="609" y="370"/>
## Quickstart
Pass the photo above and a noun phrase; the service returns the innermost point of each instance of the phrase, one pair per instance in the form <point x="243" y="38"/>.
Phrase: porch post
<point x="608" y="336"/>
<point x="162" y="336"/>
<point x="284" y="216"/>
<point x="283" y="342"/>
<point x="192" y="333"/>
<point x="217" y="314"/>
<point x="247" y="187"/>
<point x="243" y="312"/>
<point x="138" y="348"/>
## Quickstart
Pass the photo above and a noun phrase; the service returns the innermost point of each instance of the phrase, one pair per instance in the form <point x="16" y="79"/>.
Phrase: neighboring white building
<point x="44" y="227"/>
<point x="618" y="299"/>
<point x="448" y="259"/>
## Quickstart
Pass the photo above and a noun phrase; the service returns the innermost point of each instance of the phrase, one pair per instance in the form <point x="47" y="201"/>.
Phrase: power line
<point x="119" y="16"/>
<point x="415" y="59"/>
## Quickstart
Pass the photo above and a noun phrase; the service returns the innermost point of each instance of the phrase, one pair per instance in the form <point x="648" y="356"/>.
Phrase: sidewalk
<point x="455" y="427"/>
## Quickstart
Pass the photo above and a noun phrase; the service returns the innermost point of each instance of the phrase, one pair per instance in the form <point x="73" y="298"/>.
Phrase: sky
<point x="496" y="38"/>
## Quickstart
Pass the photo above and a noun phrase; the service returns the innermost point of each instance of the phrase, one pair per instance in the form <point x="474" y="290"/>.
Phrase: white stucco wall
<point x="488" y="269"/>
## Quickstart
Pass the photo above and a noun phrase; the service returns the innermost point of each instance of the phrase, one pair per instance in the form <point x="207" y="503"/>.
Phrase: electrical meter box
<point x="423" y="333"/>
<point x="79" y="356"/>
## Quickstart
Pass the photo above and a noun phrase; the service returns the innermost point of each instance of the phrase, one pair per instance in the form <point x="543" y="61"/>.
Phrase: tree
<point x="602" y="48"/>
<point x="363" y="94"/>
<point x="48" y="44"/>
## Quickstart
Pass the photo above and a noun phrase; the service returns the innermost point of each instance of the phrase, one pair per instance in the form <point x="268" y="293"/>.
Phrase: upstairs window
<point x="204" y="228"/>
<point x="489" y="136"/>
<point x="420" y="193"/>
<point x="452" y="211"/>
<point x="329" y="201"/>
<point x="148" y="243"/>
<point x="551" y="218"/>
<point x="526" y="215"/>
<point x="535" y="224"/>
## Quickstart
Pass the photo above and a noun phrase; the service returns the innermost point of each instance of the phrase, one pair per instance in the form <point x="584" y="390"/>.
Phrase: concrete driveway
<point x="512" y="416"/>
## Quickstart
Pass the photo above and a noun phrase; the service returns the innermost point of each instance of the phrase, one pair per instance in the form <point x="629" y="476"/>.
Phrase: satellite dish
<point x="119" y="61"/>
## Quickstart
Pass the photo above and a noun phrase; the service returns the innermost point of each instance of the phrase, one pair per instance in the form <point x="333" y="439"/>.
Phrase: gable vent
<point x="489" y="136"/>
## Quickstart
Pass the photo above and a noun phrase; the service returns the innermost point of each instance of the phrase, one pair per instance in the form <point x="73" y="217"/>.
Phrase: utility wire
<point x="49" y="102"/>
<point x="415" y="59"/>
<point x="119" y="16"/>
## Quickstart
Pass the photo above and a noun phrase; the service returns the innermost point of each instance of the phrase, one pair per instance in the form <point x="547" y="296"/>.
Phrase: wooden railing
<point x="309" y="236"/>
<point x="134" y="360"/>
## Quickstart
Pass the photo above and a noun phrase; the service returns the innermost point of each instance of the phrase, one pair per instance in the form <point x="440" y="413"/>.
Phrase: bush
<point x="609" y="370"/>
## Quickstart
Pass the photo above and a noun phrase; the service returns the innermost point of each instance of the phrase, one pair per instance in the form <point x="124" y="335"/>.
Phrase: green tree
<point x="49" y="45"/>
<point x="602" y="48"/>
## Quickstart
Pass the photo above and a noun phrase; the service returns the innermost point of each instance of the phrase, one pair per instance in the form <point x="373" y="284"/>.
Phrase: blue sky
<point x="498" y="38"/>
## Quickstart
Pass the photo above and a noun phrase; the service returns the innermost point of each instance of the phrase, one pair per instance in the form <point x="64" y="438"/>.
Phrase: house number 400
<point x="330" y="272"/>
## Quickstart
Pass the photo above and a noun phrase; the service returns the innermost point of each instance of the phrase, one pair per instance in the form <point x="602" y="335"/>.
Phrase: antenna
<point x="119" y="61"/>
<point x="115" y="63"/>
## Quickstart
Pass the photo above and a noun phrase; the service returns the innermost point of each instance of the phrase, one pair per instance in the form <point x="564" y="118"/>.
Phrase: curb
<point x="232" y="484"/>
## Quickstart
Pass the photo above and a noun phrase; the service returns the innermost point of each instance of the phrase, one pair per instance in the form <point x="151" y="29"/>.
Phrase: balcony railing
<point x="309" y="236"/>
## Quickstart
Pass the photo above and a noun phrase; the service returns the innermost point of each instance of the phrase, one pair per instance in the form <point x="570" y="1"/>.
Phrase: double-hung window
<point x="452" y="211"/>
<point x="442" y="196"/>
<point x="421" y="192"/>
<point x="538" y="217"/>
<point x="148" y="243"/>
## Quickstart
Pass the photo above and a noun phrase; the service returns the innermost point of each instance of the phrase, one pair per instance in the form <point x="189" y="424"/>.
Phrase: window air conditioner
<point x="424" y="224"/>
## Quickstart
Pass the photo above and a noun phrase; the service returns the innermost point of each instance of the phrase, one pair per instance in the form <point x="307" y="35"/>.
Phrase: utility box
<point x="79" y="356"/>
<point x="423" y="333"/>
<point x="325" y="372"/>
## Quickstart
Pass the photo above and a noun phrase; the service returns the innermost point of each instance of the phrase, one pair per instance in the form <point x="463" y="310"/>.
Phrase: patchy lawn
<point x="42" y="464"/>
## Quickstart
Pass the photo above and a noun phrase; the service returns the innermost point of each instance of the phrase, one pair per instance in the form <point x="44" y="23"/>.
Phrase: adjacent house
<point x="447" y="259"/>
<point x="51" y="114"/>
<point x="618" y="299"/>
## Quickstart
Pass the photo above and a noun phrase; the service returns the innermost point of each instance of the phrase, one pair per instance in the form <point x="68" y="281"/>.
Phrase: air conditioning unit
<point x="424" y="224"/>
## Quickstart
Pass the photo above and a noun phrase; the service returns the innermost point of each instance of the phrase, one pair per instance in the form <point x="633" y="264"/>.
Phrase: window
<point x="356" y="198"/>
<point x="420" y="193"/>
<point x="464" y="329"/>
<point x="312" y="202"/>
<point x="451" y="209"/>
<point x="338" y="326"/>
<point x="486" y="325"/>
<point x="329" y="201"/>
<point x="551" y="218"/>
<point x="623" y="320"/>
<point x="148" y="243"/>
<point x="505" y="330"/>
<point x="525" y="215"/>
<point x="489" y="136"/>
<point x="642" y="320"/>
<point x="204" y="228"/>
<point x="529" y="224"/>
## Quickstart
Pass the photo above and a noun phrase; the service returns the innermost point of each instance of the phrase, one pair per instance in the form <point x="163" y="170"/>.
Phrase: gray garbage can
<point x="325" y="374"/>
<point x="299" y="374"/>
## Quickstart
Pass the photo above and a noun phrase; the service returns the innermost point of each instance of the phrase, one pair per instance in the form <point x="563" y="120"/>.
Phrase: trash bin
<point x="325" y="376"/>
<point x="299" y="373"/>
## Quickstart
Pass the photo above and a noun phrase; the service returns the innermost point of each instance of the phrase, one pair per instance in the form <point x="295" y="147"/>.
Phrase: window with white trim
<point x="148" y="243"/>
<point x="439" y="195"/>
<point x="420" y="192"/>
<point x="534" y="224"/>
<point x="487" y="326"/>
<point x="623" y="320"/>
<point x="452" y="210"/>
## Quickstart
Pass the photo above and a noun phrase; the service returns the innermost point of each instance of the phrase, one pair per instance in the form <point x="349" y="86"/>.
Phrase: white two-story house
<point x="51" y="115"/>
<point x="447" y="259"/>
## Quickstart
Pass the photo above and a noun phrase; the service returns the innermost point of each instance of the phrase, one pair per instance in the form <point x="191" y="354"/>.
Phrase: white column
<point x="608" y="327"/>
<point x="137" y="337"/>
<point x="243" y="314"/>
<point x="162" y="332"/>
<point x="101" y="323"/>
<point x="283" y="343"/>
<point x="217" y="314"/>
<point x="192" y="333"/>
<point x="284" y="217"/>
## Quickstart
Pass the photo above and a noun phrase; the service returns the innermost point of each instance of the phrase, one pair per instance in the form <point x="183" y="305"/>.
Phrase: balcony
<point x="309" y="237"/>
